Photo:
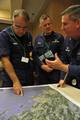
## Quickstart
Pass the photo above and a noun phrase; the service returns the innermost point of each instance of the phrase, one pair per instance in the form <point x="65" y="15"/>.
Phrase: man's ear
<point x="39" y="26"/>
<point x="78" y="24"/>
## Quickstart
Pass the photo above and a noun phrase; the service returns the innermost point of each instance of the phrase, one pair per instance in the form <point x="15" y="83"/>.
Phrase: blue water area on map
<point x="11" y="104"/>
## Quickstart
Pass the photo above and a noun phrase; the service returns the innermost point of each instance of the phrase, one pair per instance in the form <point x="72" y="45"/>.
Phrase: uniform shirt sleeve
<point x="74" y="70"/>
<point x="64" y="59"/>
<point x="4" y="45"/>
<point x="38" y="45"/>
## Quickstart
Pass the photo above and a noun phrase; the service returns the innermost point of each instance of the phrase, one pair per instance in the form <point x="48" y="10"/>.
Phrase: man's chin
<point x="20" y="35"/>
<point x="48" y="33"/>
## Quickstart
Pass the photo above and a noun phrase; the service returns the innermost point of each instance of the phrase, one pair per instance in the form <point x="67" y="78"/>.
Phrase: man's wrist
<point x="64" y="67"/>
<point x="16" y="81"/>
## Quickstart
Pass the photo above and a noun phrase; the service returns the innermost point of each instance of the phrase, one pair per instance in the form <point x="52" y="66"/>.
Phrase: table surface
<point x="70" y="91"/>
<point x="11" y="104"/>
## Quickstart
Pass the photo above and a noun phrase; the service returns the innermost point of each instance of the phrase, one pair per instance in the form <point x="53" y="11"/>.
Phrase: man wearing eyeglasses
<point x="15" y="53"/>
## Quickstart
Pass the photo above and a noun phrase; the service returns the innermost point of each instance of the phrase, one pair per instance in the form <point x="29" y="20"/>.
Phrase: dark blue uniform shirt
<point x="45" y="47"/>
<point x="16" y="47"/>
<point x="71" y="56"/>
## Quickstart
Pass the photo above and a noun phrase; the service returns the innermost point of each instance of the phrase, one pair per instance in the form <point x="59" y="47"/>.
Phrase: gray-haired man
<point x="71" y="52"/>
<point x="15" y="52"/>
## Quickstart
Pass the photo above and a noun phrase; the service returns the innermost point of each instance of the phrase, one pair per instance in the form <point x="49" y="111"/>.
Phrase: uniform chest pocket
<point x="16" y="48"/>
<point x="55" y="47"/>
<point x="41" y="48"/>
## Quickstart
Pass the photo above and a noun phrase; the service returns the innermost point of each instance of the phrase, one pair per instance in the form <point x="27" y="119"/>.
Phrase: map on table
<point x="38" y="103"/>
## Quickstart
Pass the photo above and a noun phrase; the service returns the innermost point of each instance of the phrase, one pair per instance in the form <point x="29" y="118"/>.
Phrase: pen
<point x="21" y="93"/>
<point x="64" y="78"/>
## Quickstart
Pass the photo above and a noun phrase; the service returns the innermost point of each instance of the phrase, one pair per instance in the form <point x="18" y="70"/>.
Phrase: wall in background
<point x="53" y="9"/>
<point x="3" y="25"/>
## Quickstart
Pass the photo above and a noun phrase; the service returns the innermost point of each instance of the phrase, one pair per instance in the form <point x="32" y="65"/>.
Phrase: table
<point x="43" y="102"/>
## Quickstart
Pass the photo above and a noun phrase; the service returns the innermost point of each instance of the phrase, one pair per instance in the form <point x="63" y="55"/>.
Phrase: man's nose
<point x="47" y="25"/>
<point x="22" y="30"/>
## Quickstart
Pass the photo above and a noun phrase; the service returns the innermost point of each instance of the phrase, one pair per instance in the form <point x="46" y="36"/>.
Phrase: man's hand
<point x="17" y="88"/>
<point x="57" y="64"/>
<point x="61" y="83"/>
<point x="12" y="74"/>
<point x="54" y="64"/>
<point x="46" y="68"/>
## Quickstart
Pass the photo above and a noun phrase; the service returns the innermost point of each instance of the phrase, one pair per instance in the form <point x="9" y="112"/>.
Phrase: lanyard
<point x="18" y="41"/>
<point x="46" y="44"/>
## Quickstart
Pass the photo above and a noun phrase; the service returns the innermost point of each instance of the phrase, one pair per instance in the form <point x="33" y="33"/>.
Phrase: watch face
<point x="74" y="82"/>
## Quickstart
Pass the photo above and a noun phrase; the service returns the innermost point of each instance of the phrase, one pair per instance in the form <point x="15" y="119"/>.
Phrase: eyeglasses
<point x="19" y="27"/>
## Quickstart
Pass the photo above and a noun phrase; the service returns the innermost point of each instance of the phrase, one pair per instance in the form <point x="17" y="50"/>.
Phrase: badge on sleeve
<point x="74" y="82"/>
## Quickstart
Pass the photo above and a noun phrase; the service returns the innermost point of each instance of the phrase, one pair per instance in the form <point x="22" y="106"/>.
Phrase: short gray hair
<point x="73" y="11"/>
<point x="43" y="17"/>
<point x="21" y="12"/>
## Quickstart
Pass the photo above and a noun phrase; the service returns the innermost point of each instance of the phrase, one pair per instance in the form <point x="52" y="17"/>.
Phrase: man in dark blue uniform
<point x="15" y="53"/>
<point x="46" y="45"/>
<point x="71" y="52"/>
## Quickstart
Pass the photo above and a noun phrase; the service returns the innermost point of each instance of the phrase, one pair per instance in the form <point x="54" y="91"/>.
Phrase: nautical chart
<point x="38" y="103"/>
